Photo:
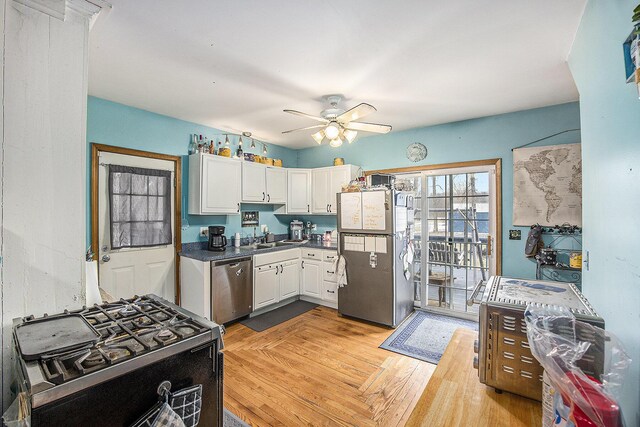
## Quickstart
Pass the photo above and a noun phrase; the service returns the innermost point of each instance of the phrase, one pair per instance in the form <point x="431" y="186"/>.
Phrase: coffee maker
<point x="217" y="239"/>
<point x="295" y="230"/>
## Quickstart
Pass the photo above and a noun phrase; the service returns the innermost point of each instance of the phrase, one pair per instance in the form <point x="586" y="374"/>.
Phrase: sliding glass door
<point x="455" y="221"/>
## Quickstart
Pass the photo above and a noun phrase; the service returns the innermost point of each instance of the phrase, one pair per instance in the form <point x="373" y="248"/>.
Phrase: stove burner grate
<point x="128" y="328"/>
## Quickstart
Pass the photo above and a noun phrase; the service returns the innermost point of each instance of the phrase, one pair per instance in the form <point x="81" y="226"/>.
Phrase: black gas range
<point x="103" y="365"/>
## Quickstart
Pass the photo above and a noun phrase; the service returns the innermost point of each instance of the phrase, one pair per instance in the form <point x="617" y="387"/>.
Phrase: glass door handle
<point x="489" y="248"/>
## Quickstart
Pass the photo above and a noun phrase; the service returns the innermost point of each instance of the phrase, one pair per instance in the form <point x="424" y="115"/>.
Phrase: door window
<point x="140" y="207"/>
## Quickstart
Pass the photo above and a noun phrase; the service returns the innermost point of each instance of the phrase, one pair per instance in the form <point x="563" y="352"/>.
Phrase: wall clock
<point x="416" y="152"/>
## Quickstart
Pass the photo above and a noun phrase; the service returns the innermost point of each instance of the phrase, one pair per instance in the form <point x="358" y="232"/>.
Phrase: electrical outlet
<point x="204" y="231"/>
<point x="263" y="228"/>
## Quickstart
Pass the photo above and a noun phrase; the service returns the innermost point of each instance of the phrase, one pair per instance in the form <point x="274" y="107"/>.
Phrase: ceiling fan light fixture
<point x="349" y="135"/>
<point x="318" y="137"/>
<point x="336" y="142"/>
<point x="332" y="131"/>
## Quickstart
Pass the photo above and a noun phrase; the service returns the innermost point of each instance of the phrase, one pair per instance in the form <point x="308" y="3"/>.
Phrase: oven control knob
<point x="475" y="346"/>
<point x="475" y="362"/>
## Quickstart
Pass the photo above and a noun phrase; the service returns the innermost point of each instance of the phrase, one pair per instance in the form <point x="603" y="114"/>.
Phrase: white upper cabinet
<point x="214" y="185"/>
<point x="263" y="184"/>
<point x="217" y="185"/>
<point x="254" y="184"/>
<point x="320" y="190"/>
<point x="299" y="191"/>
<point x="339" y="176"/>
<point x="276" y="179"/>
<point x="327" y="182"/>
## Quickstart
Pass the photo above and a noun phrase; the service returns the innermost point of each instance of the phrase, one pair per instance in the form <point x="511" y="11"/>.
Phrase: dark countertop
<point x="198" y="251"/>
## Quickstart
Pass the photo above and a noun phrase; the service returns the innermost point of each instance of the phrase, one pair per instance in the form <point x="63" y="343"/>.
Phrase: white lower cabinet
<point x="307" y="272"/>
<point x="329" y="278"/>
<point x="289" y="279"/>
<point x="276" y="277"/>
<point x="319" y="278"/>
<point x="266" y="289"/>
<point x="329" y="291"/>
<point x="311" y="278"/>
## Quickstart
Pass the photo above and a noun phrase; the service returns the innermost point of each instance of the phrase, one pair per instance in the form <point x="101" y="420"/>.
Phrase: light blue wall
<point x="485" y="138"/>
<point x="123" y="126"/>
<point x="610" y="115"/>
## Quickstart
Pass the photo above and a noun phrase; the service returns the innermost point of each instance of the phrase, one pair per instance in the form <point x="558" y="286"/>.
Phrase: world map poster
<point x="547" y="185"/>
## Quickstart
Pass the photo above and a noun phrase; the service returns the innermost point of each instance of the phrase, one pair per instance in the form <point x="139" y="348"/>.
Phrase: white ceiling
<point x="235" y="65"/>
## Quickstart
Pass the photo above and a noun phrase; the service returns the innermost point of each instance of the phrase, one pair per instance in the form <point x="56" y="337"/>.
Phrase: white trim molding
<point x="57" y="8"/>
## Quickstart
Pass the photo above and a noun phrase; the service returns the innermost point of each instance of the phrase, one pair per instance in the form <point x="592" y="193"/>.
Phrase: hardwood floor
<point x="319" y="369"/>
<point x="455" y="381"/>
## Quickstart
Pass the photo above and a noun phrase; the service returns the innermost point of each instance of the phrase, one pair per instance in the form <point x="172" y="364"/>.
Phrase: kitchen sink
<point x="272" y="245"/>
<point x="268" y="245"/>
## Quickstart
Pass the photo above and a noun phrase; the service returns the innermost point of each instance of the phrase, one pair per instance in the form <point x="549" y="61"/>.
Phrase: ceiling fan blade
<point x="357" y="112"/>
<point x="299" y="113"/>
<point x="308" y="127"/>
<point x="368" y="127"/>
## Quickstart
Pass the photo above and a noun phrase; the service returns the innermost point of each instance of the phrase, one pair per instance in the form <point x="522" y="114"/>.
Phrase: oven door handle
<point x="472" y="299"/>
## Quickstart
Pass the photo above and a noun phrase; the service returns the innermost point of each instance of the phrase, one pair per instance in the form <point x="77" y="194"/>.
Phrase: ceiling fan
<point x="338" y="125"/>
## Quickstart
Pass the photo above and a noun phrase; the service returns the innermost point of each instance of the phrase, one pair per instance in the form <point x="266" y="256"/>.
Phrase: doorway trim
<point x="96" y="149"/>
<point x="486" y="162"/>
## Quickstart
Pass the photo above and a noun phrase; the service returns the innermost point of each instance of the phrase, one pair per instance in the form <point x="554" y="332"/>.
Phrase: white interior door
<point x="131" y="271"/>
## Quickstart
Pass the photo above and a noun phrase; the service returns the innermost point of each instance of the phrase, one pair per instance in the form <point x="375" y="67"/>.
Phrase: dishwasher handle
<point x="232" y="263"/>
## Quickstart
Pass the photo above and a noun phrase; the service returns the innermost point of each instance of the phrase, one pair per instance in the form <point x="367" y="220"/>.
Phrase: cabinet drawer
<point x="312" y="254"/>
<point x="329" y="291"/>
<point x="275" y="257"/>
<point x="328" y="272"/>
<point x="329" y="256"/>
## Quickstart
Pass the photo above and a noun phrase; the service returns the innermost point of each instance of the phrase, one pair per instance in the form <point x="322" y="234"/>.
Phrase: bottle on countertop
<point x="212" y="148"/>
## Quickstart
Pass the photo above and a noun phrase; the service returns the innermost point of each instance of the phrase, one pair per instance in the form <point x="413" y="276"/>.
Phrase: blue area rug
<point x="425" y="335"/>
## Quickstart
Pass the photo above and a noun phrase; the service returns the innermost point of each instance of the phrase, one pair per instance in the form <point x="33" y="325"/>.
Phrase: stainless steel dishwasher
<point x="231" y="289"/>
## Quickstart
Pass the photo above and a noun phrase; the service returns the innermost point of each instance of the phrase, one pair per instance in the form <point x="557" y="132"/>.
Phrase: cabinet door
<point x="311" y="279"/>
<point x="265" y="286"/>
<point x="220" y="185"/>
<point x="339" y="176"/>
<point x="276" y="185"/>
<point x="289" y="280"/>
<point x="299" y="193"/>
<point x="329" y="291"/>
<point x="254" y="187"/>
<point x="320" y="190"/>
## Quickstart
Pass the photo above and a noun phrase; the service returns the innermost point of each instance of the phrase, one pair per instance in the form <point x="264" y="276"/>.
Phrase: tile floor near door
<point x="319" y="369"/>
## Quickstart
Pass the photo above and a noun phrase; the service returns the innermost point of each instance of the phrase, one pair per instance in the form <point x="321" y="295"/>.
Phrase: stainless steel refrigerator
<point x="375" y="232"/>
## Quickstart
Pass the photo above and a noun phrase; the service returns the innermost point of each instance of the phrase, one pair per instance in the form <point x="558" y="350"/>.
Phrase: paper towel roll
<point x="91" y="274"/>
